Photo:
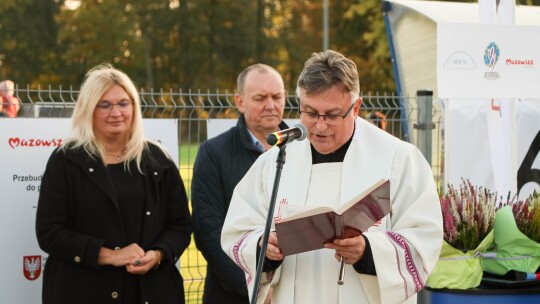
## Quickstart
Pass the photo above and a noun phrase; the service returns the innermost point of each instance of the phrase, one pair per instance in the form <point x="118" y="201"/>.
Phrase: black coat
<point x="220" y="164"/>
<point x="78" y="213"/>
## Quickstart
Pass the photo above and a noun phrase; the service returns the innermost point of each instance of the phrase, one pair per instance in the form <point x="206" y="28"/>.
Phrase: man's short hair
<point x="261" y="67"/>
<point x="328" y="69"/>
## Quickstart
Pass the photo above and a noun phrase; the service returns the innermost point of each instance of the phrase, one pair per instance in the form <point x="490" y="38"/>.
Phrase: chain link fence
<point x="396" y="114"/>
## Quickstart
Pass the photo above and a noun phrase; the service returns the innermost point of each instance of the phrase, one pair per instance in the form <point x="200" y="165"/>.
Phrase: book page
<point x="308" y="213"/>
<point x="347" y="205"/>
<point x="369" y="209"/>
<point x="311" y="229"/>
<point x="365" y="193"/>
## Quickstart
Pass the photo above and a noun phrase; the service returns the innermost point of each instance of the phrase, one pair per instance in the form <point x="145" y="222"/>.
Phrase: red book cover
<point x="311" y="229"/>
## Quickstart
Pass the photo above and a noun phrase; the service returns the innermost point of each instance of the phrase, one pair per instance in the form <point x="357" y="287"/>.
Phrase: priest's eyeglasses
<point x="123" y="105"/>
<point x="331" y="119"/>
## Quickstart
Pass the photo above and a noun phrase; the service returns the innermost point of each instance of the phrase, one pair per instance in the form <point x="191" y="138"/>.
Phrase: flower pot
<point x="457" y="269"/>
<point x="512" y="250"/>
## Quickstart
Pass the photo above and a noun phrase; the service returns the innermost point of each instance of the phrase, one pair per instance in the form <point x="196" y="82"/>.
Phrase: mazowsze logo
<point x="491" y="56"/>
<point x="32" y="267"/>
<point x="15" y="142"/>
<point x="526" y="63"/>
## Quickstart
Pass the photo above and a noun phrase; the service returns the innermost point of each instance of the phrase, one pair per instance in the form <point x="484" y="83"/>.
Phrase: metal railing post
<point x="424" y="125"/>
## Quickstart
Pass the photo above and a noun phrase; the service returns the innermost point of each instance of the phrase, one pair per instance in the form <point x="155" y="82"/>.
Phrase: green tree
<point x="369" y="47"/>
<point x="28" y="31"/>
<point x="99" y="32"/>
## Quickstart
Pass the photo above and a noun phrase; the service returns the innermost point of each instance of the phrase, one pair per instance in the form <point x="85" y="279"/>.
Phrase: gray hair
<point x="328" y="69"/>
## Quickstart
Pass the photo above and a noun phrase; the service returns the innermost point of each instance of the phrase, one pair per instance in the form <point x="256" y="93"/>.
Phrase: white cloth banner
<point x="528" y="147"/>
<point x="506" y="12"/>
<point x="487" y="11"/>
<point x="477" y="149"/>
<point x="485" y="73"/>
<point x="501" y="134"/>
<point x="25" y="147"/>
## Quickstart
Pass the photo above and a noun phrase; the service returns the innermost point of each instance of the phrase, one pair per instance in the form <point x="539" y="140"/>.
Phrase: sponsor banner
<point x="488" y="61"/>
<point x="25" y="146"/>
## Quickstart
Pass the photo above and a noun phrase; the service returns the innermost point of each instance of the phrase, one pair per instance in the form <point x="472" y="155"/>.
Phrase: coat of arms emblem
<point x="32" y="267"/>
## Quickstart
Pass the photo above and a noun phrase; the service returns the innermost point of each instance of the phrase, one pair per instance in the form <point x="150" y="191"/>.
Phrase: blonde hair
<point x="97" y="82"/>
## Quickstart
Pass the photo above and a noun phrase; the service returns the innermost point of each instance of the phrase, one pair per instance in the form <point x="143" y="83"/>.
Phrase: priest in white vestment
<point x="343" y="156"/>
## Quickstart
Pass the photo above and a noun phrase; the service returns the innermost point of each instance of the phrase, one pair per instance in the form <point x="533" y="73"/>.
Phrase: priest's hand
<point x="351" y="249"/>
<point x="272" y="248"/>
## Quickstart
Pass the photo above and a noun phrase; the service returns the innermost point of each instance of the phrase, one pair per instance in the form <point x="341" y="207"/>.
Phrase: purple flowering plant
<point x="527" y="216"/>
<point x="468" y="214"/>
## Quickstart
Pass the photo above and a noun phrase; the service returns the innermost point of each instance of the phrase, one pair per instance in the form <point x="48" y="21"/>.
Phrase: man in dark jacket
<point x="221" y="163"/>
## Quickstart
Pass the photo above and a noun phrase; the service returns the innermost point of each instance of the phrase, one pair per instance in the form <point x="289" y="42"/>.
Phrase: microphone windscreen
<point x="272" y="139"/>
<point x="304" y="131"/>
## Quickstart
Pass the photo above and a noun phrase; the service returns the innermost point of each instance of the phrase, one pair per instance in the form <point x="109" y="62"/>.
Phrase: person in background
<point x="221" y="162"/>
<point x="343" y="156"/>
<point x="379" y="119"/>
<point x="112" y="212"/>
<point x="9" y="104"/>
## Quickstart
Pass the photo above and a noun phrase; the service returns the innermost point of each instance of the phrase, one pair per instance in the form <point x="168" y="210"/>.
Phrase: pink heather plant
<point x="468" y="215"/>
<point x="527" y="216"/>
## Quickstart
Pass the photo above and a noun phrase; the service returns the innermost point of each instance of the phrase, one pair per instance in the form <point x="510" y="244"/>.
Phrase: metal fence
<point x="402" y="116"/>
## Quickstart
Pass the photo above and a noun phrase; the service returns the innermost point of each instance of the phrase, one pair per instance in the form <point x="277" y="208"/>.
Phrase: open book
<point x="311" y="229"/>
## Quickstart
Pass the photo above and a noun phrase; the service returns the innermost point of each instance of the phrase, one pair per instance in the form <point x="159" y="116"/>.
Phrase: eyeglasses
<point x="123" y="105"/>
<point x="331" y="119"/>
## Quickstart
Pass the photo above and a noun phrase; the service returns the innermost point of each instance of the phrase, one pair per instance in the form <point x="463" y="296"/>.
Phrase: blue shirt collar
<point x="255" y="141"/>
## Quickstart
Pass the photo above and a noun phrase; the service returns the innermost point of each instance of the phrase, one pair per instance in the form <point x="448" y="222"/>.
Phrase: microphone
<point x="283" y="137"/>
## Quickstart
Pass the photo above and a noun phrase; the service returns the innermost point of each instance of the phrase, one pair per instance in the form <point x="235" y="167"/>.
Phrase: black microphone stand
<point x="280" y="162"/>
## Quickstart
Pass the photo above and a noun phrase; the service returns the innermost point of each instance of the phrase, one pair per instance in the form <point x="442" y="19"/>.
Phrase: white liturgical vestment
<point x="405" y="244"/>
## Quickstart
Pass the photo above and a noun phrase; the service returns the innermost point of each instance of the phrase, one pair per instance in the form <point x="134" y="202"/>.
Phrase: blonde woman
<point x="113" y="212"/>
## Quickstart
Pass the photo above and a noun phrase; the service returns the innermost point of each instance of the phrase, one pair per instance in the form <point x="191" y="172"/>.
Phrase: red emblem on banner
<point x="32" y="267"/>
